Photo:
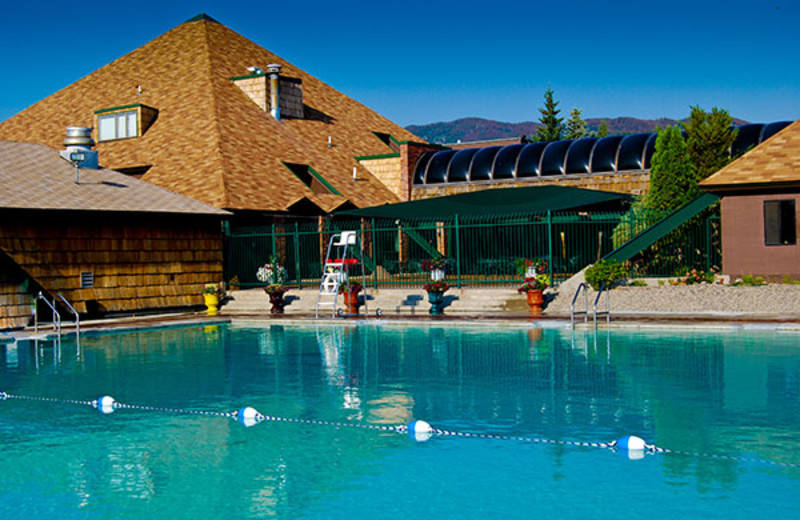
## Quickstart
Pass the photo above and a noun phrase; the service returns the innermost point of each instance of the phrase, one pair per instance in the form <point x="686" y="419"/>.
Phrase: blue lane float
<point x="631" y="443"/>
<point x="105" y="404"/>
<point x="420" y="431"/>
<point x="248" y="416"/>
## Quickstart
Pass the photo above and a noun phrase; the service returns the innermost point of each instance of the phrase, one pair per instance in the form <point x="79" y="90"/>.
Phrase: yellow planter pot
<point x="212" y="302"/>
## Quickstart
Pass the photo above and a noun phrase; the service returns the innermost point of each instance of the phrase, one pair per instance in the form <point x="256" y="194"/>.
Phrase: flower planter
<point x="351" y="301"/>
<point x="436" y="299"/>
<point x="276" y="299"/>
<point x="212" y="303"/>
<point x="437" y="275"/>
<point x="535" y="301"/>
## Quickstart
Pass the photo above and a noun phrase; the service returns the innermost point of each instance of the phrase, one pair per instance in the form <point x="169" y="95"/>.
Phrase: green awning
<point x="498" y="202"/>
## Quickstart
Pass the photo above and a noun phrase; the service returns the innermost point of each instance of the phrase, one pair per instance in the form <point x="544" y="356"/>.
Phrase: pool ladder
<point x="585" y="311"/>
<point x="56" y="315"/>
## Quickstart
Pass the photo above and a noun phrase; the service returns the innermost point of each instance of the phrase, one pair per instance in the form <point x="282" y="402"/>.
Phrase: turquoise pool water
<point x="730" y="399"/>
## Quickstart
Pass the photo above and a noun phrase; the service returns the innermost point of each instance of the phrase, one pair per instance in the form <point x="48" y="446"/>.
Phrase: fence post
<point x="227" y="265"/>
<point x="708" y="244"/>
<point x="374" y="255"/>
<point x="458" y="254"/>
<point x="550" y="247"/>
<point x="274" y="243"/>
<point x="297" y="256"/>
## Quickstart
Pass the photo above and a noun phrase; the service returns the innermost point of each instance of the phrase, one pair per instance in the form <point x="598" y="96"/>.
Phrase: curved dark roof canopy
<point x="589" y="155"/>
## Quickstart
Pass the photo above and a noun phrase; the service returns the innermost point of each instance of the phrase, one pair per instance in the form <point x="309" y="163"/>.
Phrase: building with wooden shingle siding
<point x="206" y="113"/>
<point x="760" y="200"/>
<point x="105" y="241"/>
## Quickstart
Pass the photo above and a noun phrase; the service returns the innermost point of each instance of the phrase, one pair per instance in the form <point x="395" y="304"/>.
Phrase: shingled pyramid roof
<point x="775" y="162"/>
<point x="210" y="141"/>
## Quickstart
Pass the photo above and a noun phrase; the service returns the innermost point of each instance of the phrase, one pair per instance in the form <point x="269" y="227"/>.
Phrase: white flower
<point x="271" y="273"/>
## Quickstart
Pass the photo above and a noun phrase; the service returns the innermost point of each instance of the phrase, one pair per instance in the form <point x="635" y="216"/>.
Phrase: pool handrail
<point x="585" y="311"/>
<point x="72" y="309"/>
<point x="56" y="315"/>
<point x="607" y="312"/>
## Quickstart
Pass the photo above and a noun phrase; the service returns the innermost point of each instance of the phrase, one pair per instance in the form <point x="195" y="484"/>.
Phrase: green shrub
<point x="638" y="283"/>
<point x="605" y="272"/>
<point x="749" y="279"/>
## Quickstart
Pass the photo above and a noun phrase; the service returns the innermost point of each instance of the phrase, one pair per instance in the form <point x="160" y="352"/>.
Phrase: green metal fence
<point x="479" y="251"/>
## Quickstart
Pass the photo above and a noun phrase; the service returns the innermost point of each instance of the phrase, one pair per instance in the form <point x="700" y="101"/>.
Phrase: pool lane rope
<point x="632" y="446"/>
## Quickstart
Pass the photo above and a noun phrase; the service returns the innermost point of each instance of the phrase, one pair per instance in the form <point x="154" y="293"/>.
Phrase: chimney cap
<point x="274" y="68"/>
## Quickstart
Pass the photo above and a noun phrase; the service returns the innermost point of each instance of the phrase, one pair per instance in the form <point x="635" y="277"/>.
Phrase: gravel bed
<point x="773" y="299"/>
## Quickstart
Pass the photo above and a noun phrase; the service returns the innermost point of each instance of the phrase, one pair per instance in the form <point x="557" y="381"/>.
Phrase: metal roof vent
<point x="79" y="145"/>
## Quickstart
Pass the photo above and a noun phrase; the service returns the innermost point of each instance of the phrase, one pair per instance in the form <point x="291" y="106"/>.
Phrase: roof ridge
<point x="217" y="123"/>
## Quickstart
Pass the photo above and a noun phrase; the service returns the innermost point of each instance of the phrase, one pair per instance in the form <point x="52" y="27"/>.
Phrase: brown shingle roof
<point x="34" y="176"/>
<point x="210" y="141"/>
<point x="775" y="161"/>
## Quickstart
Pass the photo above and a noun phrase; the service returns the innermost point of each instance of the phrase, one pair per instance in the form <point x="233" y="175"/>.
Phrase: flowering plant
<point x="272" y="272"/>
<point x="694" y="276"/>
<point x="438" y="286"/>
<point x="354" y="288"/>
<point x="211" y="288"/>
<point x="276" y="289"/>
<point x="523" y="264"/>
<point x="534" y="283"/>
<point x="433" y="264"/>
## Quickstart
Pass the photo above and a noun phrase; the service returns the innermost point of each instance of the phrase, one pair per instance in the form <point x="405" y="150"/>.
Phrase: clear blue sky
<point x="419" y="62"/>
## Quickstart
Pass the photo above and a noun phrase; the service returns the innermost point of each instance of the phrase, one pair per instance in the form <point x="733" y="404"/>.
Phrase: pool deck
<point x="775" y="307"/>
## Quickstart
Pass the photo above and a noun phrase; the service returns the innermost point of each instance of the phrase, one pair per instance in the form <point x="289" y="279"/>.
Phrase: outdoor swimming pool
<point x="730" y="399"/>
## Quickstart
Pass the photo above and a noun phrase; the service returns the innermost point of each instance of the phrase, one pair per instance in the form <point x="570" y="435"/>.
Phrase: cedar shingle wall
<point x="15" y="298"/>
<point x="138" y="262"/>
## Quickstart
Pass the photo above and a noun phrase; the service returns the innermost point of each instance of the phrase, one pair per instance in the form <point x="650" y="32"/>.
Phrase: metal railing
<point x="607" y="312"/>
<point x="56" y="315"/>
<point x="585" y="311"/>
<point x="75" y="313"/>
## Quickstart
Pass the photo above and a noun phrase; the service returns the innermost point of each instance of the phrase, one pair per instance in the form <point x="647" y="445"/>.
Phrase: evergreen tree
<point x="551" y="127"/>
<point x="709" y="136"/>
<point x="576" y="126"/>
<point x="602" y="130"/>
<point x="672" y="175"/>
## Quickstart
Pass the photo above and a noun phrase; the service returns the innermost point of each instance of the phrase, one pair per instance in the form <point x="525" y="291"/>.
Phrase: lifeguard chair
<point x="340" y="263"/>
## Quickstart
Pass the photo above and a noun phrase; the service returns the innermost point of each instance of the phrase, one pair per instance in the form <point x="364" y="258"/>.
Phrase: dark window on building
<point x="780" y="223"/>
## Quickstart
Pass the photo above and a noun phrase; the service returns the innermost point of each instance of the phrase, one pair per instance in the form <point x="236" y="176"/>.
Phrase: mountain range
<point x="477" y="129"/>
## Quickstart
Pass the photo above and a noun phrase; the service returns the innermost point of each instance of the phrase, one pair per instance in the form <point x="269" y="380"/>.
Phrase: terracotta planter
<point x="535" y="301"/>
<point x="276" y="299"/>
<point x="436" y="299"/>
<point x="212" y="303"/>
<point x="351" y="301"/>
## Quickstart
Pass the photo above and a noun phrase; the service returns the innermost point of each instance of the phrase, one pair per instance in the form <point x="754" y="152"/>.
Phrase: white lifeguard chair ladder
<point x="340" y="264"/>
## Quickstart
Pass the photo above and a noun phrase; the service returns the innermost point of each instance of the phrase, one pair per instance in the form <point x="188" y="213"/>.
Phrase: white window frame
<point x="120" y="125"/>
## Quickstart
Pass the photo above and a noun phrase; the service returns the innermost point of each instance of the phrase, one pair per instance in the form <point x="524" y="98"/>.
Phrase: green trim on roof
<point x="248" y="76"/>
<point x="114" y="109"/>
<point x="201" y="17"/>
<point x="378" y="156"/>
<point x="321" y="179"/>
<point x="314" y="173"/>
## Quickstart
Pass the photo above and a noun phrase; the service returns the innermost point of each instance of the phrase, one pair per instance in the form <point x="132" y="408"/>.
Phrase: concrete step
<point x="390" y="301"/>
